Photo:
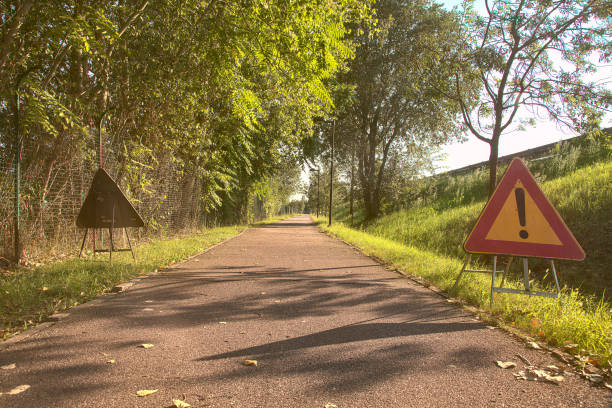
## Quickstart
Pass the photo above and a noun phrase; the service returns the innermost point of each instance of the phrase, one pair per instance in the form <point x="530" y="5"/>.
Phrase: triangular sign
<point x="519" y="220"/>
<point x="106" y="206"/>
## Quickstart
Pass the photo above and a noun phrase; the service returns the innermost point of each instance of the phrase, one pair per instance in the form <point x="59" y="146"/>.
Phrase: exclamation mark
<point x="519" y="194"/>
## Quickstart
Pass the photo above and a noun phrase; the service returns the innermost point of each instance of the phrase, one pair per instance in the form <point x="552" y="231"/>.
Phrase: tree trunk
<point x="493" y="155"/>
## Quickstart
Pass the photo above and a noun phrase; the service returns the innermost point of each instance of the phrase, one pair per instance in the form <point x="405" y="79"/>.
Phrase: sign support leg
<point x="493" y="279"/>
<point x="129" y="243"/>
<point x="465" y="265"/>
<point x="526" y="274"/>
<point x="83" y="243"/>
<point x="552" y="264"/>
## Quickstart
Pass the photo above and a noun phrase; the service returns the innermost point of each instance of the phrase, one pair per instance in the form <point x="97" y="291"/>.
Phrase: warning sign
<point x="519" y="220"/>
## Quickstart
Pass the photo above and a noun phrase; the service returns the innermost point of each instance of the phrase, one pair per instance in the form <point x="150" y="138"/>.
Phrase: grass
<point x="582" y="198"/>
<point x="575" y="318"/>
<point x="29" y="296"/>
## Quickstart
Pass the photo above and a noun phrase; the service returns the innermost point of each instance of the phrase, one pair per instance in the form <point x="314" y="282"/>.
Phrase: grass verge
<point x="29" y="296"/>
<point x="574" y="319"/>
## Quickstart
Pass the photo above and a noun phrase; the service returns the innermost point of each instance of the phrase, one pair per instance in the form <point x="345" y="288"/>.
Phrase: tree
<point x="196" y="101"/>
<point x="532" y="56"/>
<point x="399" y="76"/>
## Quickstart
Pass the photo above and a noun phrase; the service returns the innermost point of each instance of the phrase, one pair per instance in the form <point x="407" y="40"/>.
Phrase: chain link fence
<point x="54" y="186"/>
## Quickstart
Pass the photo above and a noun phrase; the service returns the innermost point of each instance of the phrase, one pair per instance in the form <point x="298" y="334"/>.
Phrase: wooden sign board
<point x="106" y="206"/>
<point x="519" y="220"/>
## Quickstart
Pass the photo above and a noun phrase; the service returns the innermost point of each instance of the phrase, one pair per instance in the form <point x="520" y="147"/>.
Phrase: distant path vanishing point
<point x="326" y="324"/>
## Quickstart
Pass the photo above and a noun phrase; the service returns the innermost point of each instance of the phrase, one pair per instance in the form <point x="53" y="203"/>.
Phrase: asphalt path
<point x="326" y="324"/>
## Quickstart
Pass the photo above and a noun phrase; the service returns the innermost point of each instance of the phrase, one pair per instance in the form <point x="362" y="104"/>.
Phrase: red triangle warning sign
<point x="519" y="220"/>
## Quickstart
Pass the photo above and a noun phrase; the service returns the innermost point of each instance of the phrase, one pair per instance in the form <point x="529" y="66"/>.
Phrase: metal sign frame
<point x="500" y="289"/>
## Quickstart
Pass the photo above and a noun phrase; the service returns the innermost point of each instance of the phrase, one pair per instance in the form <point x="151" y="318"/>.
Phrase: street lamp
<point x="318" y="183"/>
<point x="331" y="174"/>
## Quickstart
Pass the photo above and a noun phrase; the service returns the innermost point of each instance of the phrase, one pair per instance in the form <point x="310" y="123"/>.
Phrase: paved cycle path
<point x="326" y="325"/>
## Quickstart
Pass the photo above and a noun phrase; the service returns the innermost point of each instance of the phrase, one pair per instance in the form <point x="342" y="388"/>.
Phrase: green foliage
<point x="394" y="109"/>
<point x="203" y="93"/>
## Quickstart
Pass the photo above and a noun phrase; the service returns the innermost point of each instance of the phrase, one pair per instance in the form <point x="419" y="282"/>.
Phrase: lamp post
<point x="318" y="184"/>
<point x="331" y="174"/>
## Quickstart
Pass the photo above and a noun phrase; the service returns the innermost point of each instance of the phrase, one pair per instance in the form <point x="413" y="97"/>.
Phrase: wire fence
<point x="53" y="188"/>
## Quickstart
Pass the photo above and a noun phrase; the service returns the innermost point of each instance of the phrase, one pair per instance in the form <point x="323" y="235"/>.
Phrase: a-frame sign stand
<point x="106" y="207"/>
<point x="519" y="221"/>
<point x="504" y="272"/>
<point x="111" y="244"/>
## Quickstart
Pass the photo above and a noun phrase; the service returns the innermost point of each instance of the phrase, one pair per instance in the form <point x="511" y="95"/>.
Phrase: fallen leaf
<point x="250" y="362"/>
<point x="18" y="390"/>
<point x="595" y="361"/>
<point x="555" y="379"/>
<point x="277" y="301"/>
<point x="8" y="366"/>
<point x="222" y="322"/>
<point x="490" y="327"/>
<point x="608" y="386"/>
<point x="144" y="393"/>
<point x="146" y="345"/>
<point x="148" y="301"/>
<point x="534" y="345"/>
<point x="180" y="404"/>
<point x="506" y="364"/>
<point x="533" y="374"/>
<point x="147" y="309"/>
<point x="330" y="405"/>
<point x="541" y="334"/>
<point x="536" y="323"/>
<point x="242" y="332"/>
<point x="111" y="361"/>
<point x="44" y="289"/>
<point x="262" y="293"/>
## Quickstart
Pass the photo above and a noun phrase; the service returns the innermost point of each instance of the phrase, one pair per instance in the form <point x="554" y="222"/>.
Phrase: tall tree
<point x="399" y="75"/>
<point x="532" y="58"/>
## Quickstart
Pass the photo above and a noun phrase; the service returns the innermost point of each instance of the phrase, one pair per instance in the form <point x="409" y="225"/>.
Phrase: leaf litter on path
<point x="8" y="366"/>
<point x="17" y="390"/>
<point x="250" y="363"/>
<point x="505" y="364"/>
<point x="145" y="345"/>
<point x="550" y="374"/>
<point x="177" y="403"/>
<point x="144" y="393"/>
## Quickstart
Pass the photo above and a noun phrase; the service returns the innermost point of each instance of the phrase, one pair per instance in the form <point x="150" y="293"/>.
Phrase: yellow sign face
<point x="533" y="228"/>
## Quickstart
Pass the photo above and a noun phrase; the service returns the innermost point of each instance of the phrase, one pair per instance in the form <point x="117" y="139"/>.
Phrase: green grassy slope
<point x="583" y="199"/>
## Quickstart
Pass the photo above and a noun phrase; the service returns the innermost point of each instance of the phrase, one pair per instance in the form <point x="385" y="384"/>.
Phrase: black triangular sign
<point x="106" y="206"/>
